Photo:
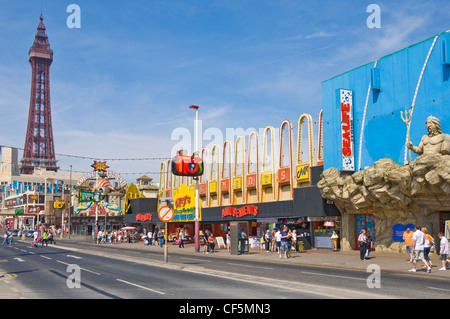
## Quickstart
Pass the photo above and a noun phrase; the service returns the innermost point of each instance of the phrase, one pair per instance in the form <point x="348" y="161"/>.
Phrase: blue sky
<point x="122" y="83"/>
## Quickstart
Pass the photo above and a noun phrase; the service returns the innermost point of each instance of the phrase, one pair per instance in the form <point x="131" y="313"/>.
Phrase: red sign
<point x="182" y="201"/>
<point x="143" y="217"/>
<point x="202" y="189"/>
<point x="346" y="129"/>
<point x="225" y="185"/>
<point x="251" y="181"/>
<point x="284" y="175"/>
<point x="239" y="212"/>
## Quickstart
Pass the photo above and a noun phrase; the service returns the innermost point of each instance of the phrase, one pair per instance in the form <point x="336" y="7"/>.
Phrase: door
<point x="366" y="222"/>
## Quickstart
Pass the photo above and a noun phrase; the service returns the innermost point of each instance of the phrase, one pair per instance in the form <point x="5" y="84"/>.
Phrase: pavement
<point x="324" y="258"/>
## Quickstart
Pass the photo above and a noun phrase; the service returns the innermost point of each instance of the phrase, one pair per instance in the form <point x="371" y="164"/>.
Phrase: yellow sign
<point x="266" y="179"/>
<point x="237" y="183"/>
<point x="212" y="187"/>
<point x="303" y="172"/>
<point x="184" y="205"/>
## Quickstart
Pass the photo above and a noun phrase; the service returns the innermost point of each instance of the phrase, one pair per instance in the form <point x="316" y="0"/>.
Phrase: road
<point x="108" y="272"/>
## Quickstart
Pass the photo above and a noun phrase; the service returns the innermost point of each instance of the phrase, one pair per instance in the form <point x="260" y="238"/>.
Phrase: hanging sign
<point x="345" y="100"/>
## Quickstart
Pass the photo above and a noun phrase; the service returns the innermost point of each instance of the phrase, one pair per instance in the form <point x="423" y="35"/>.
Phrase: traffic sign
<point x="165" y="214"/>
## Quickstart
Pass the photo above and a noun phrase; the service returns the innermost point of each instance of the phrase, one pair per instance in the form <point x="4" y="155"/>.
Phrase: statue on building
<point x="435" y="142"/>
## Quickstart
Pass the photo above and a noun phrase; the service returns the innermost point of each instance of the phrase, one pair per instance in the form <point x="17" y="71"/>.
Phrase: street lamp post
<point x="197" y="181"/>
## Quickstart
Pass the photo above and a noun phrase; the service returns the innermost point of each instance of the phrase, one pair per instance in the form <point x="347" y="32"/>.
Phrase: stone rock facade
<point x="394" y="194"/>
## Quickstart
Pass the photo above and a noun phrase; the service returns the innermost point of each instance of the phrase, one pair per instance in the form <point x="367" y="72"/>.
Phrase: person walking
<point x="407" y="238"/>
<point x="418" y="244"/>
<point x="429" y="243"/>
<point x="181" y="237"/>
<point x="228" y="241"/>
<point x="369" y="243"/>
<point x="50" y="238"/>
<point x="5" y="238"/>
<point x="443" y="251"/>
<point x="362" y="241"/>
<point x="149" y="238"/>
<point x="278" y="240"/>
<point x="44" y="238"/>
<point x="267" y="240"/>
<point x="211" y="243"/>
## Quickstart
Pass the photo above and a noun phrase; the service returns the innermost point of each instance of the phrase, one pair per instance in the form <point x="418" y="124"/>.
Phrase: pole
<point x="70" y="197"/>
<point x="166" y="247"/>
<point x="197" y="182"/>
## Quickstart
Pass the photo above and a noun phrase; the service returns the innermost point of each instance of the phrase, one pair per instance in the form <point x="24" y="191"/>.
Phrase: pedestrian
<point x="181" y="237"/>
<point x="5" y="238"/>
<point x="407" y="238"/>
<point x="418" y="244"/>
<point x="283" y="242"/>
<point x="289" y="243"/>
<point x="278" y="241"/>
<point x="228" y="241"/>
<point x="362" y="241"/>
<point x="44" y="238"/>
<point x="294" y="239"/>
<point x="267" y="240"/>
<point x="211" y="243"/>
<point x="369" y="242"/>
<point x="50" y="238"/>
<point x="429" y="243"/>
<point x="99" y="236"/>
<point x="149" y="238"/>
<point x="443" y="251"/>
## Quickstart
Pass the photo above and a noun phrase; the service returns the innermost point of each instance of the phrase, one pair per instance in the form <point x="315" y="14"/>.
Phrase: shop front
<point x="321" y="218"/>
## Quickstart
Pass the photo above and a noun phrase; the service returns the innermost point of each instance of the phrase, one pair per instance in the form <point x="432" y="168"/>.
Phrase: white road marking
<point x="206" y="261"/>
<point x="92" y="272"/>
<point x="19" y="259"/>
<point x="77" y="257"/>
<point x="142" y="287"/>
<point x="438" y="288"/>
<point x="243" y="265"/>
<point x="46" y="257"/>
<point x="334" y="276"/>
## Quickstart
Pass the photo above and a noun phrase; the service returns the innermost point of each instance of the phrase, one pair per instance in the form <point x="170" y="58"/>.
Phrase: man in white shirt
<point x="278" y="239"/>
<point x="418" y="241"/>
<point x="444" y="251"/>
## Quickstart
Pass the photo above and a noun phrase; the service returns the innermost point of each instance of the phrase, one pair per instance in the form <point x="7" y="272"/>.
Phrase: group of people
<point x="208" y="241"/>
<point x="281" y="241"/>
<point x="43" y="237"/>
<point x="419" y="244"/>
<point x="115" y="236"/>
<point x="365" y="243"/>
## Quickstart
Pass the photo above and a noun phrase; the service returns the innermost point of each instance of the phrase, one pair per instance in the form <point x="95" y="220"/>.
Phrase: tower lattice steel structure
<point x="39" y="148"/>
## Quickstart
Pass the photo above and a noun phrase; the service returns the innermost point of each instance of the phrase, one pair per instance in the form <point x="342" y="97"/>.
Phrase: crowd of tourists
<point x="419" y="244"/>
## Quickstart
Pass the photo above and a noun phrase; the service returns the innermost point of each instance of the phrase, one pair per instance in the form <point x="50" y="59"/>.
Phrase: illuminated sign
<point x="266" y="179"/>
<point x="346" y="108"/>
<point x="144" y="217"/>
<point x="239" y="212"/>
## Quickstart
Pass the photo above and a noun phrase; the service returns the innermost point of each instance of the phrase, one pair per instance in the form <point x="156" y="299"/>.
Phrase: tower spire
<point x="39" y="148"/>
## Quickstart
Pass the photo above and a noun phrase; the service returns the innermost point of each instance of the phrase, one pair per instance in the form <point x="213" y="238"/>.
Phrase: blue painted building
<point x="416" y="78"/>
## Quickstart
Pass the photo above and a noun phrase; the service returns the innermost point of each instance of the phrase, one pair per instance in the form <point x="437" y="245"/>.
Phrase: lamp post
<point x="197" y="181"/>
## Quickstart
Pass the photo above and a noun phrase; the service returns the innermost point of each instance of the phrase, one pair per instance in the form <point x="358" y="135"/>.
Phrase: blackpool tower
<point x="39" y="148"/>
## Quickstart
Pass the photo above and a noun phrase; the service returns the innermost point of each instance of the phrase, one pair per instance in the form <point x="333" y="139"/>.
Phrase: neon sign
<point x="239" y="212"/>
